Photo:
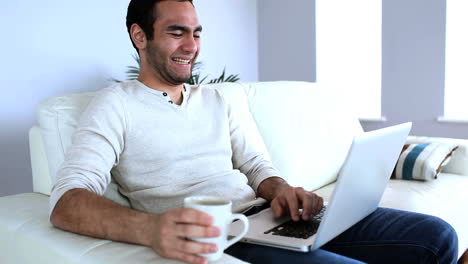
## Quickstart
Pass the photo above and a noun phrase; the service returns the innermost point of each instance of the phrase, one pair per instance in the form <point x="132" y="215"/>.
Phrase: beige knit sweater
<point x="161" y="152"/>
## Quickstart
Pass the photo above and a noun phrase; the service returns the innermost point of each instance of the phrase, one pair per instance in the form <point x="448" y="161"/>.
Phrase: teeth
<point x="181" y="61"/>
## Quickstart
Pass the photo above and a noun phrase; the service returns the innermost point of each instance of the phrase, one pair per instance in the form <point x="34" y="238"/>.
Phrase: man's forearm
<point x="269" y="188"/>
<point x="83" y="212"/>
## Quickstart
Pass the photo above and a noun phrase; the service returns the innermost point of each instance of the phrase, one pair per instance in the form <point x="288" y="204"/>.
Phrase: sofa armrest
<point x="39" y="165"/>
<point x="27" y="236"/>
<point x="459" y="162"/>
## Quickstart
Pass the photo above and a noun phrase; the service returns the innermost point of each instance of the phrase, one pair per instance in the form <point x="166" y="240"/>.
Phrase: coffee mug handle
<point x="244" y="220"/>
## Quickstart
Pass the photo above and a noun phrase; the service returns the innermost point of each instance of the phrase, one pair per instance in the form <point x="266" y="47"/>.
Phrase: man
<point x="164" y="141"/>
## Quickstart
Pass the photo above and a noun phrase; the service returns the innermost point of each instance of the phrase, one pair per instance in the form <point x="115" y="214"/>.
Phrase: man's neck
<point x="174" y="91"/>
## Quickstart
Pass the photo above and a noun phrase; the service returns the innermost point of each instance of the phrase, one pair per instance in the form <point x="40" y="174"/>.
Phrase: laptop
<point x="359" y="188"/>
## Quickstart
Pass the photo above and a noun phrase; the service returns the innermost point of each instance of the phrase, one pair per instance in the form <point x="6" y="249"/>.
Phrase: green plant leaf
<point x="232" y="78"/>
<point x="136" y="57"/>
<point x="202" y="80"/>
<point x="114" y="80"/>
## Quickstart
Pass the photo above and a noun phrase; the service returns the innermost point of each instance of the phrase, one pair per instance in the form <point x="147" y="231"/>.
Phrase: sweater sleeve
<point x="246" y="156"/>
<point x="96" y="146"/>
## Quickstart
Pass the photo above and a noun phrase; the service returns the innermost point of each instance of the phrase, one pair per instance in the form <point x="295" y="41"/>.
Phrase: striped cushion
<point x="423" y="161"/>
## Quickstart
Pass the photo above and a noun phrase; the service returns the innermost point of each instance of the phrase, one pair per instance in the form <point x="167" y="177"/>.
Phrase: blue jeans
<point x="385" y="236"/>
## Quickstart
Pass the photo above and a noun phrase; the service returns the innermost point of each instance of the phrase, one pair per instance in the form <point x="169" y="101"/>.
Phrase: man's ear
<point x="138" y="36"/>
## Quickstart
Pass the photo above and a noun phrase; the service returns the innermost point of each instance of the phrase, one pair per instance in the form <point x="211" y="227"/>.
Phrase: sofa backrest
<point x="58" y="118"/>
<point x="305" y="130"/>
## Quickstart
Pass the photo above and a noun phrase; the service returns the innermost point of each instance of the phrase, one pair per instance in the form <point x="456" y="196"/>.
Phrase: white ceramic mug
<point x="220" y="209"/>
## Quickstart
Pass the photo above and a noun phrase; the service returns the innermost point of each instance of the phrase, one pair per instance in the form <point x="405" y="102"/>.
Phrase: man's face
<point x="176" y="41"/>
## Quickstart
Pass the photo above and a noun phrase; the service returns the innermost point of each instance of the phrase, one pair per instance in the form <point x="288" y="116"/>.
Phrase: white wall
<point x="48" y="48"/>
<point x="53" y="47"/>
<point x="229" y="37"/>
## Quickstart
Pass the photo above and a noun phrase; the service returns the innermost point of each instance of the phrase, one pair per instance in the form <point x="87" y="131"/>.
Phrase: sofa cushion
<point x="423" y="161"/>
<point x="307" y="129"/>
<point x="459" y="161"/>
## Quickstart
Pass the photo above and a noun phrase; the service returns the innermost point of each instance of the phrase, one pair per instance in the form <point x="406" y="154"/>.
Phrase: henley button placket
<point x="170" y="101"/>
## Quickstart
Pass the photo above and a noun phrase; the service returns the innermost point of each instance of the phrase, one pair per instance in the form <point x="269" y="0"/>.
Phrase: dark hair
<point x="141" y="12"/>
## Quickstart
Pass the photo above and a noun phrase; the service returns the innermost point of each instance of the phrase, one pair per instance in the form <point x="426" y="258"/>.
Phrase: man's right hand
<point x="172" y="229"/>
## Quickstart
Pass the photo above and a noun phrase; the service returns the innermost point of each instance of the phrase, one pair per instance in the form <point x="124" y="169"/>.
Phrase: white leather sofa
<point x="305" y="129"/>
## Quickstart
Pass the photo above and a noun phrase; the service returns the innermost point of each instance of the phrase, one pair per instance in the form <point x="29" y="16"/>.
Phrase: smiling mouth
<point x="181" y="61"/>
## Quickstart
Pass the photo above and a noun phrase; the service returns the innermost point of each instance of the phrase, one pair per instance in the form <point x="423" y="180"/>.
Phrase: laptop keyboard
<point x="300" y="229"/>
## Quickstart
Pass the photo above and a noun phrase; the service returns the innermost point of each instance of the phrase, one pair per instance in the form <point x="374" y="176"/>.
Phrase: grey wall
<point x="413" y="45"/>
<point x="286" y="37"/>
<point x="53" y="47"/>
<point x="413" y="67"/>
